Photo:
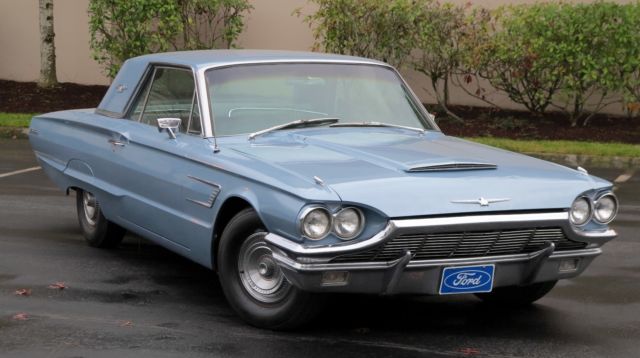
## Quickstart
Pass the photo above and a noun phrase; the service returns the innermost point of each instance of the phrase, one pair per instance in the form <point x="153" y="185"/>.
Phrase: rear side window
<point x="169" y="93"/>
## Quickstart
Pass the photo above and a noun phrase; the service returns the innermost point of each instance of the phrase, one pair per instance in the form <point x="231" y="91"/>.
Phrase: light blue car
<point x="298" y="174"/>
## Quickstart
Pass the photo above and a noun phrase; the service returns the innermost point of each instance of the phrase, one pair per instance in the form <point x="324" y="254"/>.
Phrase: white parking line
<point x="623" y="178"/>
<point x="21" y="171"/>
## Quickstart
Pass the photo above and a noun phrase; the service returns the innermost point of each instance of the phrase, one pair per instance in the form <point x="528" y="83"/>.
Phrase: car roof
<point x="129" y="78"/>
<point x="213" y="58"/>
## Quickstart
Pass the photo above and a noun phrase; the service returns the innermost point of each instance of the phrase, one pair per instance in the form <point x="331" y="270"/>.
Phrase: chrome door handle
<point x="117" y="143"/>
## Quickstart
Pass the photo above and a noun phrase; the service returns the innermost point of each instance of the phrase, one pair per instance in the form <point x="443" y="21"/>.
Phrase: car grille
<point x="466" y="244"/>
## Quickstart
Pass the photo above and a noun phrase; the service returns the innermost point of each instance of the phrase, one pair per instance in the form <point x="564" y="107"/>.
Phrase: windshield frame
<point x="424" y="116"/>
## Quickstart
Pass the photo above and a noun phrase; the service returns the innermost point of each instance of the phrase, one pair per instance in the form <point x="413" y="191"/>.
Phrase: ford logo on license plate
<point x="468" y="279"/>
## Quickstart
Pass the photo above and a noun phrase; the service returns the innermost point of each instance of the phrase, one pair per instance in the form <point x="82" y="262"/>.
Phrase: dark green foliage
<point x="121" y="29"/>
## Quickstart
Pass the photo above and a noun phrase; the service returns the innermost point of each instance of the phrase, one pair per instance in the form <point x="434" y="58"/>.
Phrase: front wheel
<point x="253" y="282"/>
<point x="517" y="295"/>
<point x="97" y="230"/>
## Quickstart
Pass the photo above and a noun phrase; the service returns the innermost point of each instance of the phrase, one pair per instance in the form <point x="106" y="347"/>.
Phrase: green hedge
<point x="121" y="29"/>
<point x="575" y="58"/>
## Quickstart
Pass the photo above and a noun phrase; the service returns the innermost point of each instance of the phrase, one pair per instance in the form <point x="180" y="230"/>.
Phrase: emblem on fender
<point x="480" y="201"/>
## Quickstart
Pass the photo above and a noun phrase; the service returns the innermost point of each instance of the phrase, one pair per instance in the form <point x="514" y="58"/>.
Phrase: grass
<point x="18" y="120"/>
<point x="562" y="147"/>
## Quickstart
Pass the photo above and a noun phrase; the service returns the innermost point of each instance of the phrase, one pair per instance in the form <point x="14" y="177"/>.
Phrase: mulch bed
<point x="26" y="97"/>
<point x="482" y="122"/>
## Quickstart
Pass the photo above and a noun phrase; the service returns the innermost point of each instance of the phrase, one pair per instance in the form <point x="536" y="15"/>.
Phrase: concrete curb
<point x="14" y="133"/>
<point x="586" y="161"/>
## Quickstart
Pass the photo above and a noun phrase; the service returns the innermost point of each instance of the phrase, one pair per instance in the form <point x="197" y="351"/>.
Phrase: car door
<point x="154" y="166"/>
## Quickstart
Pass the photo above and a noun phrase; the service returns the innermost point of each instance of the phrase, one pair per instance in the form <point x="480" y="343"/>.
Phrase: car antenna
<point x="216" y="149"/>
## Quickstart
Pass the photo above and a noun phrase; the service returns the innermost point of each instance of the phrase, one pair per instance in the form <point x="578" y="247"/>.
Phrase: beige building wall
<point x="270" y="25"/>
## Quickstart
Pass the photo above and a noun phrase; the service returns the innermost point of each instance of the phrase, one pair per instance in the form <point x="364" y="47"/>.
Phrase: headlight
<point x="605" y="208"/>
<point x="348" y="223"/>
<point x="580" y="211"/>
<point x="316" y="223"/>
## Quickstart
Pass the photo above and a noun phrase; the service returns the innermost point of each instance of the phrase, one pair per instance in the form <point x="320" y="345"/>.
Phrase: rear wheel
<point x="97" y="230"/>
<point x="253" y="282"/>
<point x="517" y="295"/>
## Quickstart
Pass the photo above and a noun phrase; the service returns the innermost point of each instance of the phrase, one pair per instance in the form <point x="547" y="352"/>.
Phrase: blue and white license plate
<point x="467" y="279"/>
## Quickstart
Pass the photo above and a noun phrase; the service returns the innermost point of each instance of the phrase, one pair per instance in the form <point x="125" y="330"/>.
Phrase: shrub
<point x="573" y="57"/>
<point x="121" y="29"/>
<point x="517" y="59"/>
<point x="210" y="24"/>
<point x="630" y="71"/>
<point x="379" y="29"/>
<point x="438" y="37"/>
<point x="594" y="45"/>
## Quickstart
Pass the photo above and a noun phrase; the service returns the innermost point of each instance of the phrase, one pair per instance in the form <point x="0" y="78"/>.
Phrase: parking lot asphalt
<point x="143" y="301"/>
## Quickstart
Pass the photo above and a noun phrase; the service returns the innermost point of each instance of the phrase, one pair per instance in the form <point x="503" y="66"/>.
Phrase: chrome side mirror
<point x="170" y="124"/>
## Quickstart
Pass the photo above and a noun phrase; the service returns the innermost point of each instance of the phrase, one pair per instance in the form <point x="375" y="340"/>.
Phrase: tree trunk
<point x="47" y="46"/>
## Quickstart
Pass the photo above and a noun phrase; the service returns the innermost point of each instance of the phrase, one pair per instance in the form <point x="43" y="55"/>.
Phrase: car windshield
<point x="250" y="98"/>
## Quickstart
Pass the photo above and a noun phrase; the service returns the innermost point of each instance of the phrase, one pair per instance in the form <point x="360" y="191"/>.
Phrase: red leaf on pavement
<point x="469" y="351"/>
<point x="20" y="317"/>
<point x="58" y="286"/>
<point x="23" y="292"/>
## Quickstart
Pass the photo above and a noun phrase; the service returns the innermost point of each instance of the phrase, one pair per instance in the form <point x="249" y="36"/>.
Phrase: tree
<point x="121" y="29"/>
<point x="208" y="24"/>
<point x="438" y="55"/>
<point x="48" y="77"/>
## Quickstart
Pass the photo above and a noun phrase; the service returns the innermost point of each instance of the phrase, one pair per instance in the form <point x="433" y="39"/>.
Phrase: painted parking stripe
<point x="21" y="171"/>
<point x="623" y="177"/>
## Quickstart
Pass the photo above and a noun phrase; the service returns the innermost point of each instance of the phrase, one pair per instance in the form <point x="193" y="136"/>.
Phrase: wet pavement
<point x="143" y="301"/>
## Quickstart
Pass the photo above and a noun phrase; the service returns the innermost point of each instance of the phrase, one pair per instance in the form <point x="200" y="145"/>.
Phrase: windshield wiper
<point x="377" y="124"/>
<point x="295" y="124"/>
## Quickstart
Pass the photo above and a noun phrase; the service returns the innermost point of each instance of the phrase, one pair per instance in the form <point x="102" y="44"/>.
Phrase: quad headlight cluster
<point x="603" y="209"/>
<point x="317" y="222"/>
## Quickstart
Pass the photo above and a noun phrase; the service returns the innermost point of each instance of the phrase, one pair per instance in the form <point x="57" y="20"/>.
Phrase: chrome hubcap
<point x="259" y="273"/>
<point x="90" y="206"/>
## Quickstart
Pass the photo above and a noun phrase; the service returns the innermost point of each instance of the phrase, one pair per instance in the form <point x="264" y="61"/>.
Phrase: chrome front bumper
<point x="309" y="267"/>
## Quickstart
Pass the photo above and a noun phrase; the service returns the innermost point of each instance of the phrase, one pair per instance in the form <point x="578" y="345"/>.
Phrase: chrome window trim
<point x="149" y="75"/>
<point x="426" y="116"/>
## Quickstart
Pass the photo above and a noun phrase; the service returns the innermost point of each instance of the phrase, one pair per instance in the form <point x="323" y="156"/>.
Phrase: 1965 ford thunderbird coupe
<point x="297" y="174"/>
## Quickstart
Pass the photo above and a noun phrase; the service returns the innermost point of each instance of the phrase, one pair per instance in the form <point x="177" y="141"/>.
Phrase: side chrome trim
<point x="314" y="267"/>
<point x="216" y="188"/>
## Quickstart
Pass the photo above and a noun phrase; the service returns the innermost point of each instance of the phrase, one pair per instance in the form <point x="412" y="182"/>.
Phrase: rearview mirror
<point x="170" y="124"/>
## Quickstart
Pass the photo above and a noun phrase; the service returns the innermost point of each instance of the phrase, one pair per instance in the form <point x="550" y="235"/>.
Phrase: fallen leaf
<point x="23" y="292"/>
<point x="126" y="324"/>
<point x="20" y="317"/>
<point x="469" y="351"/>
<point x="58" y="286"/>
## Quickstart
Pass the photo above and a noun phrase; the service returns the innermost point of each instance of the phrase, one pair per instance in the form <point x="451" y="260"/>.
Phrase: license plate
<point x="467" y="279"/>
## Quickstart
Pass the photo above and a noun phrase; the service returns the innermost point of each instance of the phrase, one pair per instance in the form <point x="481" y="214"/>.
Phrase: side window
<point x="194" y="124"/>
<point x="170" y="93"/>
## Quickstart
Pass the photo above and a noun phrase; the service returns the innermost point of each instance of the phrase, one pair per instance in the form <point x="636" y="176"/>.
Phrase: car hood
<point x="372" y="167"/>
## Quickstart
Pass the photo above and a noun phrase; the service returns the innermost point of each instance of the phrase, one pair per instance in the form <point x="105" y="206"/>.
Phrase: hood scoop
<point x="450" y="166"/>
